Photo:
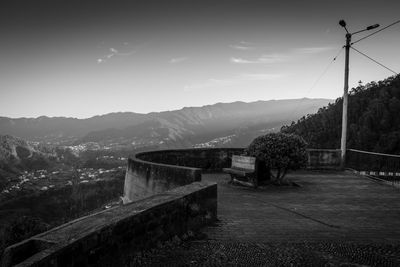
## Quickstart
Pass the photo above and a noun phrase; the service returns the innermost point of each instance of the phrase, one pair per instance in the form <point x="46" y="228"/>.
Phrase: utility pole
<point x="346" y="88"/>
<point x="345" y="101"/>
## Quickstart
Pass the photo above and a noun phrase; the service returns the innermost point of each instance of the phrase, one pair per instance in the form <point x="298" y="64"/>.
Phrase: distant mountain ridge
<point x="178" y="126"/>
<point x="48" y="128"/>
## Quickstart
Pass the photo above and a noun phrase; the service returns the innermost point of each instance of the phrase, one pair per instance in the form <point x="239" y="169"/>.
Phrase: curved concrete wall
<point x="208" y="159"/>
<point x="144" y="178"/>
<point x="153" y="172"/>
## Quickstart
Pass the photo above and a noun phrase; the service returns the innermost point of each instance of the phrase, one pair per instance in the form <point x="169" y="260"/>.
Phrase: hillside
<point x="18" y="156"/>
<point x="373" y="120"/>
<point x="17" y="152"/>
<point x="178" y="128"/>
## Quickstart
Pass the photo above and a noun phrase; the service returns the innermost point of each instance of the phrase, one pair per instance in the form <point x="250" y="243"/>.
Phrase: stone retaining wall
<point x="114" y="236"/>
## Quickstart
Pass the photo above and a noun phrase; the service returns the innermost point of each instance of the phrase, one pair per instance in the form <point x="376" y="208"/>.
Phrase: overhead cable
<point x="376" y="32"/>
<point x="374" y="60"/>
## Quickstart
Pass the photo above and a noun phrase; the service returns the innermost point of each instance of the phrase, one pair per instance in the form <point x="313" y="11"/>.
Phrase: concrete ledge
<point x="112" y="237"/>
<point x="144" y="178"/>
<point x="153" y="172"/>
<point x="215" y="159"/>
<point x="207" y="159"/>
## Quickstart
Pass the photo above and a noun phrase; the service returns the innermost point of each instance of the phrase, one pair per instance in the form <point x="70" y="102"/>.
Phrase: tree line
<point x="373" y="120"/>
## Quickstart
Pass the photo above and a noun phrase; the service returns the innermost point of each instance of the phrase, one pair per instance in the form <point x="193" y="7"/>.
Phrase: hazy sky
<point x="83" y="58"/>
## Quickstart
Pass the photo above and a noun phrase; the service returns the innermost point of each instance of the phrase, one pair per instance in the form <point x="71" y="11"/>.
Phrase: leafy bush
<point x="280" y="152"/>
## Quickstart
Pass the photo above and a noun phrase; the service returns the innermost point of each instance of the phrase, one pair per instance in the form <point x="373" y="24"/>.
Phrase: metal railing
<point x="377" y="165"/>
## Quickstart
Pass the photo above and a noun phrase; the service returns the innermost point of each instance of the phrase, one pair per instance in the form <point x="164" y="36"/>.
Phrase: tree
<point x="373" y="119"/>
<point x="280" y="152"/>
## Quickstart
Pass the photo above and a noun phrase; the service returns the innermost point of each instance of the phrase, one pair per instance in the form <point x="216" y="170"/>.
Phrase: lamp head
<point x="372" y="27"/>
<point x="342" y="23"/>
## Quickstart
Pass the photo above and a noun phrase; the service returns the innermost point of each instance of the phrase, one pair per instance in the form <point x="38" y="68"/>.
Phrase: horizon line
<point x="160" y="111"/>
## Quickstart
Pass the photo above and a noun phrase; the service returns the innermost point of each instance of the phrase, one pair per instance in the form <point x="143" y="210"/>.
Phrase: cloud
<point x="281" y="57"/>
<point x="243" y="46"/>
<point x="114" y="52"/>
<point x="264" y="59"/>
<point x="178" y="60"/>
<point x="246" y="43"/>
<point x="241" y="78"/>
<point x="312" y="50"/>
<point x="241" y="60"/>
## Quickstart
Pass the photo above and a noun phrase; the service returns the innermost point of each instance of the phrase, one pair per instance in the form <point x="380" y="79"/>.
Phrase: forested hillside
<point x="373" y="120"/>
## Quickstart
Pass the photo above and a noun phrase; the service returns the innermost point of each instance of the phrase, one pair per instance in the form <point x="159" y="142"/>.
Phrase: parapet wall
<point x="214" y="159"/>
<point x="114" y="236"/>
<point x="207" y="159"/>
<point x="145" y="178"/>
<point x="324" y="158"/>
<point x="153" y="172"/>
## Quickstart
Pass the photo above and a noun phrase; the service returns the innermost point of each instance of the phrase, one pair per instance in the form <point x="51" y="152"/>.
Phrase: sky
<point x="85" y="58"/>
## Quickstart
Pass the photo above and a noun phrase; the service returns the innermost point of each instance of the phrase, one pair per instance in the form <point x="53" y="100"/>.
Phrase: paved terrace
<point x="332" y="219"/>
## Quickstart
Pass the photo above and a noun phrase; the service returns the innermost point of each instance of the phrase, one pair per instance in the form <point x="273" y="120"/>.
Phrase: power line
<point x="319" y="78"/>
<point x="325" y="70"/>
<point x="373" y="60"/>
<point x="376" y="32"/>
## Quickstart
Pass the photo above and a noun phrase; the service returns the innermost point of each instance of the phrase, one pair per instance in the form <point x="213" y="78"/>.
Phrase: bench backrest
<point x="243" y="162"/>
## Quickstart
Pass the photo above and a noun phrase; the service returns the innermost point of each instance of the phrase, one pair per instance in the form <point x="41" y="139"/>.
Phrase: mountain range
<point x="39" y="143"/>
<point x="179" y="128"/>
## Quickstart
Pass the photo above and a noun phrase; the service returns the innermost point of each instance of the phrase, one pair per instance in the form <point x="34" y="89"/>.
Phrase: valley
<point x="53" y="170"/>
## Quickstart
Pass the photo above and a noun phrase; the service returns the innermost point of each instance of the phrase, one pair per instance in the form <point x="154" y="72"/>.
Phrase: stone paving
<point x="331" y="219"/>
<point x="326" y="206"/>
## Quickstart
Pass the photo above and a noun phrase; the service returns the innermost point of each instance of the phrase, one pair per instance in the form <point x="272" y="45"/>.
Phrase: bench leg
<point x="254" y="181"/>
<point x="232" y="178"/>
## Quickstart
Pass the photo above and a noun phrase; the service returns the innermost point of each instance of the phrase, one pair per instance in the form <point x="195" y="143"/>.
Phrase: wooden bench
<point x="243" y="167"/>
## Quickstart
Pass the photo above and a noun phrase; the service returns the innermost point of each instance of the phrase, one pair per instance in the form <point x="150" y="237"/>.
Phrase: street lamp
<point x="346" y="87"/>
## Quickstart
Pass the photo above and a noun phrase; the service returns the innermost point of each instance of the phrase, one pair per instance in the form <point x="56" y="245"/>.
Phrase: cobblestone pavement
<point x="332" y="219"/>
<point x="327" y="206"/>
<point x="217" y="253"/>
